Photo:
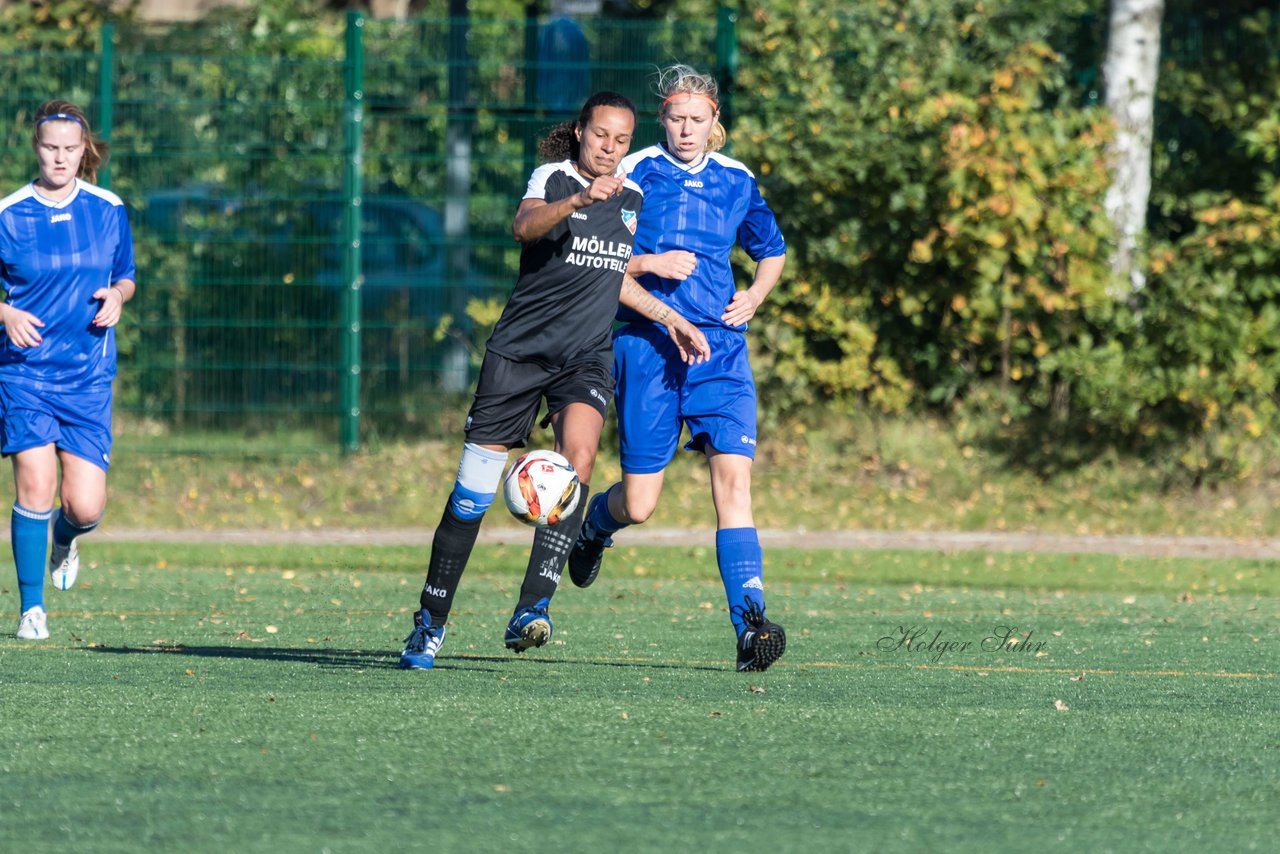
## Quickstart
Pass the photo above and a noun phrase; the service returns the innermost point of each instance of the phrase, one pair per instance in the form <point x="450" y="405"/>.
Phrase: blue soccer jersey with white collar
<point x="703" y="209"/>
<point x="53" y="257"/>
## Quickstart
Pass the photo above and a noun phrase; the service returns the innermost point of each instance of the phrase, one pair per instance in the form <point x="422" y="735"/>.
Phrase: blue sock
<point x="29" y="535"/>
<point x="741" y="563"/>
<point x="601" y="519"/>
<point x="64" y="530"/>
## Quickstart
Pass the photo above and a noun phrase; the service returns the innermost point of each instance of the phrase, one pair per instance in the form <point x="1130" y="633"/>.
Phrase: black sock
<point x="450" y="550"/>
<point x="550" y="552"/>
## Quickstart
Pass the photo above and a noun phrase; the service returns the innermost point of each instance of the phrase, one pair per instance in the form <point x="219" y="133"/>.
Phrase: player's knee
<point x="732" y="487"/>
<point x="736" y="494"/>
<point x="583" y="462"/>
<point x="37" y="492"/>
<point x="82" y="516"/>
<point x="479" y="474"/>
<point x="639" y="508"/>
<point x="468" y="505"/>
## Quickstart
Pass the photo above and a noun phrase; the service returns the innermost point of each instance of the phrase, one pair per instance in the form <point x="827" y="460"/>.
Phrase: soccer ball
<point x="541" y="488"/>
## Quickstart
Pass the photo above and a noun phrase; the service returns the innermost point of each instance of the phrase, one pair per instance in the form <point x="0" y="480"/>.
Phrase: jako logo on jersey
<point x="753" y="582"/>
<point x="689" y="182"/>
<point x="578" y="215"/>
<point x="629" y="220"/>
<point x="62" y="217"/>
<point x="746" y="440"/>
<point x="597" y="395"/>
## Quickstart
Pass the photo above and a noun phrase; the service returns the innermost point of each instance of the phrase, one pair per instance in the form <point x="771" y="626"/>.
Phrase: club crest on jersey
<point x="629" y="220"/>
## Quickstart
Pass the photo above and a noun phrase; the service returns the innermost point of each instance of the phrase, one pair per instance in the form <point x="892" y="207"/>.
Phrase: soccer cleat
<point x="33" y="625"/>
<point x="422" y="644"/>
<point x="529" y="627"/>
<point x="588" y="550"/>
<point x="64" y="565"/>
<point x="761" y="642"/>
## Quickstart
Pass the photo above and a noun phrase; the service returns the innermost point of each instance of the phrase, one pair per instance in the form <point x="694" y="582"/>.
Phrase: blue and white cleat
<point x="64" y="565"/>
<point x="422" y="644"/>
<point x="33" y="624"/>
<point x="529" y="627"/>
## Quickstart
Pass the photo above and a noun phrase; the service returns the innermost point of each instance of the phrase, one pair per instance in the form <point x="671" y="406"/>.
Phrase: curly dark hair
<point x="561" y="142"/>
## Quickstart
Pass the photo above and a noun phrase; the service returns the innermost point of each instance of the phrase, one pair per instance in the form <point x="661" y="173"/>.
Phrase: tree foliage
<point x="1216" y="107"/>
<point x="939" y="192"/>
<point x="939" y="172"/>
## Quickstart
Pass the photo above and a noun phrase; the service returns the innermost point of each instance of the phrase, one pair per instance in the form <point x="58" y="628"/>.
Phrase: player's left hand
<point x="112" y="306"/>
<point x="688" y="339"/>
<point x="741" y="308"/>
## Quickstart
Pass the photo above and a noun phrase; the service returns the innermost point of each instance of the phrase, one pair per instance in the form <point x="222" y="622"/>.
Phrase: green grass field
<point x="218" y="699"/>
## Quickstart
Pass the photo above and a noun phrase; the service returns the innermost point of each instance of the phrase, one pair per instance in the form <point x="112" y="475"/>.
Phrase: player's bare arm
<point x="745" y="303"/>
<point x="688" y="338"/>
<point x="535" y="217"/>
<point x="674" y="264"/>
<point x="20" y="326"/>
<point x="113" y="300"/>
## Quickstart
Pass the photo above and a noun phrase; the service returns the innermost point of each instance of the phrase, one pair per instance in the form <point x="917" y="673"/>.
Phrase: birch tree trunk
<point x="1129" y="73"/>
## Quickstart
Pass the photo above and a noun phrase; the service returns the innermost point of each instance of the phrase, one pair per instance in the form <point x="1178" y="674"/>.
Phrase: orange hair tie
<point x="707" y="98"/>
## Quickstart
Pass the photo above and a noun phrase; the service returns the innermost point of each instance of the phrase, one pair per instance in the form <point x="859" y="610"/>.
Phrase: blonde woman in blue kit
<point x="698" y="205"/>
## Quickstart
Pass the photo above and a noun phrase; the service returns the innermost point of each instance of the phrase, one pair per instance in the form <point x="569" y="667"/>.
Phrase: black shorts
<point x="509" y="394"/>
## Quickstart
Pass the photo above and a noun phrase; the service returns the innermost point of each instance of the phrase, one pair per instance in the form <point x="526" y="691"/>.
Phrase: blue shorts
<point x="657" y="395"/>
<point x="78" y="422"/>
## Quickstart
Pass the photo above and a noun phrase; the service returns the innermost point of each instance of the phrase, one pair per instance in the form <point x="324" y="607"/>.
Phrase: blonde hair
<point x="95" y="150"/>
<point x="684" y="80"/>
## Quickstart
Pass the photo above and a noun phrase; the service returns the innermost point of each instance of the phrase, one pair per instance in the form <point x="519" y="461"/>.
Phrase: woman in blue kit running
<point x="66" y="266"/>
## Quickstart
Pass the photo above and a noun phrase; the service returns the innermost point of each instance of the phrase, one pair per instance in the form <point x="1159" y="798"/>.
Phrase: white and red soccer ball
<point x="540" y="488"/>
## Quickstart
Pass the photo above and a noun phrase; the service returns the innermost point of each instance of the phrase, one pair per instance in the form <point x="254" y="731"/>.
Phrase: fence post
<point x="353" y="160"/>
<point x="106" y="87"/>
<point x="726" y="60"/>
<point x="532" y="115"/>
<point x="457" y="185"/>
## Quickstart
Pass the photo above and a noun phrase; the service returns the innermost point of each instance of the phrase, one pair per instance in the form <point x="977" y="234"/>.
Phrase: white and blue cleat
<point x="64" y="565"/>
<point x="33" y="624"/>
<point x="422" y="644"/>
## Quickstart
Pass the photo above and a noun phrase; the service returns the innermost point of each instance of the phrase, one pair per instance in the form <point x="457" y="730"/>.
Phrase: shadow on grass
<point x="589" y="662"/>
<point x="354" y="658"/>
<point x="363" y="659"/>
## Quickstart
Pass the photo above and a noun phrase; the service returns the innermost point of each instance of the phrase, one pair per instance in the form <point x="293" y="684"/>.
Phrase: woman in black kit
<point x="577" y="224"/>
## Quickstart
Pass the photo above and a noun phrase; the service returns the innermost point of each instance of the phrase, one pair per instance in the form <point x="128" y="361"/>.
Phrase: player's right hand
<point x="602" y="188"/>
<point x="20" y="326"/>
<point x="674" y="264"/>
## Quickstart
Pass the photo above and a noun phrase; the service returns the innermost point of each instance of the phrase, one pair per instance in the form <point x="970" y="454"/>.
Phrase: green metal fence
<point x="314" y="208"/>
<point x="311" y="221"/>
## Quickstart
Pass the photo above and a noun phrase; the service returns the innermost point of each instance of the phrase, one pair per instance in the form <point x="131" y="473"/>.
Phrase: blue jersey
<point x="702" y="209"/>
<point x="53" y="256"/>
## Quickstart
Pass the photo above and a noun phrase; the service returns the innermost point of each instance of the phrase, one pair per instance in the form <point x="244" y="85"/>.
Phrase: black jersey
<point x="570" y="279"/>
